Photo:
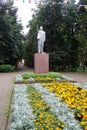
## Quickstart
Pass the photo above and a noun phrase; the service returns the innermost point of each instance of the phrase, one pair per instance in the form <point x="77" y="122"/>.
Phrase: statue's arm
<point x="38" y="35"/>
<point x="44" y="36"/>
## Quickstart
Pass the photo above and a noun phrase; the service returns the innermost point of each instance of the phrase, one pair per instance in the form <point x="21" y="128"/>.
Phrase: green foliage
<point x="66" y="34"/>
<point x="6" y="68"/>
<point x="81" y="36"/>
<point x="7" y="109"/>
<point x="11" y="46"/>
<point x="84" y="1"/>
<point x="35" y="75"/>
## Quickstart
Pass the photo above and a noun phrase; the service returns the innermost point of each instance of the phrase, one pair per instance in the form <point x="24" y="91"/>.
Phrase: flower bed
<point x="27" y="78"/>
<point x="74" y="97"/>
<point x="37" y="108"/>
<point x="22" y="113"/>
<point x="58" y="108"/>
<point x="45" y="119"/>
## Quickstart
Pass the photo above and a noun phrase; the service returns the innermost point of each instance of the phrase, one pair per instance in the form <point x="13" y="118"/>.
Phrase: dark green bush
<point x="6" y="68"/>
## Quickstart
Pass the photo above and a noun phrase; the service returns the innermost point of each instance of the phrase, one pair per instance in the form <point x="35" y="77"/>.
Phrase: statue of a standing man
<point x="41" y="39"/>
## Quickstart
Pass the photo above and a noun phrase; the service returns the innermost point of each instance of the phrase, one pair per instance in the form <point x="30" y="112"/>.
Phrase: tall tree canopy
<point x="62" y="23"/>
<point x="11" y="45"/>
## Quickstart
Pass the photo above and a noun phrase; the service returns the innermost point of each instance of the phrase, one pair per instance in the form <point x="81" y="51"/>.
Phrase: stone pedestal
<point x="41" y="63"/>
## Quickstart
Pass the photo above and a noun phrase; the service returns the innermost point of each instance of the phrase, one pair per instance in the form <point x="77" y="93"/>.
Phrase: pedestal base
<point x="41" y="63"/>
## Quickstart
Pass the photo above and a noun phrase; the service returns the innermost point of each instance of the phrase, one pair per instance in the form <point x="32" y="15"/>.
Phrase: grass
<point x="8" y="106"/>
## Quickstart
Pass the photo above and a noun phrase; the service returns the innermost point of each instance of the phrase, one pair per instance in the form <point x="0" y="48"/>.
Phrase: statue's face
<point x="41" y="28"/>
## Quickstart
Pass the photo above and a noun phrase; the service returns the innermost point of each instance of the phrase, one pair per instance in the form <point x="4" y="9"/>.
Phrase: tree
<point x="60" y="21"/>
<point x="83" y="1"/>
<point x="10" y="35"/>
<point x="81" y="36"/>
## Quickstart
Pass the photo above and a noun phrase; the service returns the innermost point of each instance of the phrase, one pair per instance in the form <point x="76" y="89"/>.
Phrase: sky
<point x="25" y="11"/>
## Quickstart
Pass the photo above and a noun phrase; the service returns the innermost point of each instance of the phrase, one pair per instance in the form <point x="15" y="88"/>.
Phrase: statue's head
<point x="41" y="28"/>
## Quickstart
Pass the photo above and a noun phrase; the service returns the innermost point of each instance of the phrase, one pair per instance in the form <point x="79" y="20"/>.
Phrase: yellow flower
<point x="82" y="123"/>
<point x="50" y="128"/>
<point x="71" y="95"/>
<point x="42" y="128"/>
<point x="78" y="115"/>
<point x="85" y="117"/>
<point x="73" y="106"/>
<point x="62" y="126"/>
<point x="85" y="7"/>
<point x="58" y="129"/>
<point x="44" y="118"/>
<point x="86" y="128"/>
<point x="59" y="124"/>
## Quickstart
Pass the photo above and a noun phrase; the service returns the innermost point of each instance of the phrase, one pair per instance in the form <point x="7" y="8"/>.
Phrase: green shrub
<point x="6" y="68"/>
<point x="71" y="69"/>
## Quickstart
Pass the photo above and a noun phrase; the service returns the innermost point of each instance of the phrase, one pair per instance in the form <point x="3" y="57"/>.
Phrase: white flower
<point x="18" y="78"/>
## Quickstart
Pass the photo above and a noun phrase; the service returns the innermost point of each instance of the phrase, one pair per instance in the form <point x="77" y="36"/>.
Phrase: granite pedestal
<point x="41" y="63"/>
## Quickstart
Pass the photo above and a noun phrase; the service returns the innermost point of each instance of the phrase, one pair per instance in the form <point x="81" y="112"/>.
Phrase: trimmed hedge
<point x="6" y="68"/>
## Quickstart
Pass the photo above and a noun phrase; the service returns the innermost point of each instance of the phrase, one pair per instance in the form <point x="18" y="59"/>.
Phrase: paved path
<point x="76" y="76"/>
<point x="6" y="84"/>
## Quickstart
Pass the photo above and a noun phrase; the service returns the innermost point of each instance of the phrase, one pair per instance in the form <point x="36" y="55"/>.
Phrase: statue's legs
<point x="39" y="42"/>
<point x="40" y="46"/>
